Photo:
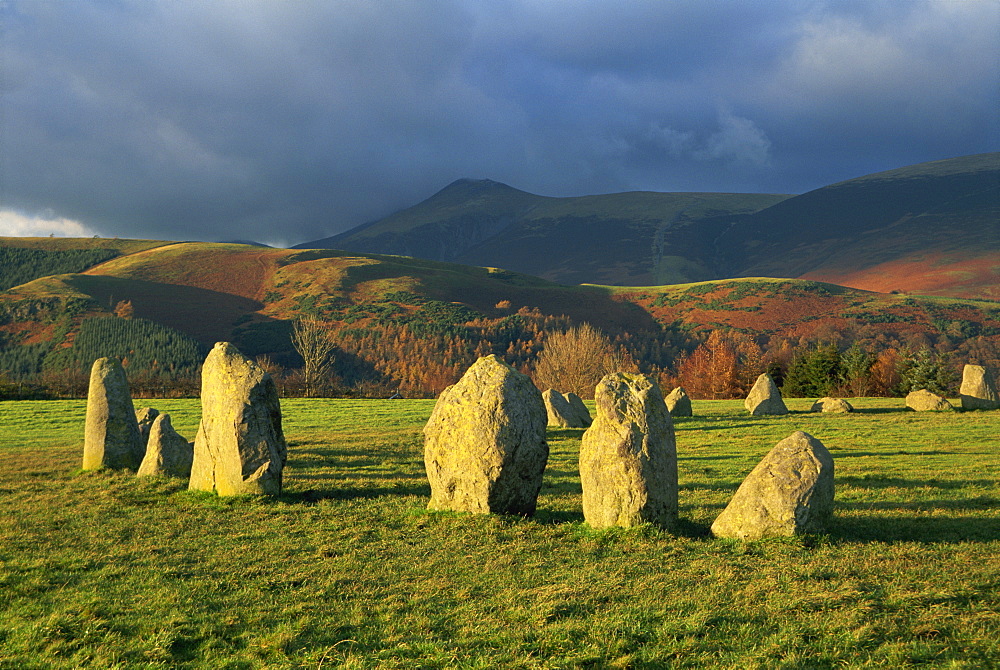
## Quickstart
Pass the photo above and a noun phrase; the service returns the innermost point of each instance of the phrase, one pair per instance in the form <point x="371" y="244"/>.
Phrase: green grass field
<point x="348" y="569"/>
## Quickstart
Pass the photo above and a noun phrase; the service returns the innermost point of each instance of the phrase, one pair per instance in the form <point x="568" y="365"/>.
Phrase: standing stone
<point x="765" y="398"/>
<point x="979" y="390"/>
<point x="167" y="453"/>
<point x="833" y="405"/>
<point x="790" y="492"/>
<point x="582" y="413"/>
<point x="560" y="412"/>
<point x="484" y="444"/>
<point x="145" y="417"/>
<point x="240" y="447"/>
<point x="111" y="438"/>
<point x="925" y="401"/>
<point x="678" y="402"/>
<point x="628" y="458"/>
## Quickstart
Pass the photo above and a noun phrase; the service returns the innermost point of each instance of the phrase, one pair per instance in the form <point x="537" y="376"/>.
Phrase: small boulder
<point x="790" y="492"/>
<point x="925" y="401"/>
<point x="484" y="444"/>
<point x="167" y="453"/>
<point x="628" y="457"/>
<point x="979" y="390"/>
<point x="678" y="402"/>
<point x="560" y="413"/>
<point x="582" y="413"/>
<point x="833" y="405"/>
<point x="240" y="447"/>
<point x="145" y="418"/>
<point x="111" y="437"/>
<point x="765" y="398"/>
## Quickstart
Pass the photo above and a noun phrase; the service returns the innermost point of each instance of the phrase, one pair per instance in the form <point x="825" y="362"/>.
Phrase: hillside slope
<point x="932" y="228"/>
<point x="634" y="238"/>
<point x="405" y="321"/>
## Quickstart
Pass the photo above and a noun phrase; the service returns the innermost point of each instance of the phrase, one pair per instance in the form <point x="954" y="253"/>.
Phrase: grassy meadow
<point x="347" y="569"/>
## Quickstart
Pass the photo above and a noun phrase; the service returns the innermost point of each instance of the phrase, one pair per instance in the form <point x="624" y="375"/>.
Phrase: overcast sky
<point x="287" y="121"/>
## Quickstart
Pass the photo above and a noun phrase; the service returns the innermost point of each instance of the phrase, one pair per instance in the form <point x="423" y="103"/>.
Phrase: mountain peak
<point x="467" y="185"/>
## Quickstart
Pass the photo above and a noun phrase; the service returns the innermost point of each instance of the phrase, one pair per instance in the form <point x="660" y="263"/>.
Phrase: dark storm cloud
<point x="288" y="121"/>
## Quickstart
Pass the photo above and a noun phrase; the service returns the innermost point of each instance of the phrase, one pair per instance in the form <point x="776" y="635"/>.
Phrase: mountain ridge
<point x="919" y="216"/>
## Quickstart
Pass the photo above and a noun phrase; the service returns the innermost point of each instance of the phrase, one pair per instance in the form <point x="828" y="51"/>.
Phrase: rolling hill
<point x="395" y="317"/>
<point x="931" y="229"/>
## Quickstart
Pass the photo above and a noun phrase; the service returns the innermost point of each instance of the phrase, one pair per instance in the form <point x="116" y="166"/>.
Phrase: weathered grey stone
<point x="240" y="447"/>
<point x="765" y="398"/>
<point x="484" y="444"/>
<point x="833" y="405"/>
<point x="145" y="418"/>
<point x="560" y="413"/>
<point x="790" y="492"/>
<point x="111" y="438"/>
<point x="979" y="390"/>
<point x="628" y="458"/>
<point x="582" y="413"/>
<point x="925" y="401"/>
<point x="167" y="453"/>
<point x="678" y="402"/>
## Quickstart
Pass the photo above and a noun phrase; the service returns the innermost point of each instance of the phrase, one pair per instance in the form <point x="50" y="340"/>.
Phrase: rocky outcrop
<point x="765" y="398"/>
<point x="582" y="413"/>
<point x="678" y="402"/>
<point x="560" y="412"/>
<point x="145" y="418"/>
<point x="168" y="454"/>
<point x="111" y="437"/>
<point x="832" y="405"/>
<point x="925" y="401"/>
<point x="484" y="444"/>
<point x="790" y="492"/>
<point x="240" y="447"/>
<point x="628" y="458"/>
<point x="979" y="389"/>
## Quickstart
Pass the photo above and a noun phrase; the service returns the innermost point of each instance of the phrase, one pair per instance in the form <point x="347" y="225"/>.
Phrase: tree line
<point x="414" y="357"/>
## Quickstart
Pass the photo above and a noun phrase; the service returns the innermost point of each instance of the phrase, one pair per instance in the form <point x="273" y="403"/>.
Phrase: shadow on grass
<point x="312" y="496"/>
<point x="978" y="503"/>
<point x="707" y="458"/>
<point x="884" y="482"/>
<point x="713" y="427"/>
<point x="863" y="528"/>
<point x="840" y="453"/>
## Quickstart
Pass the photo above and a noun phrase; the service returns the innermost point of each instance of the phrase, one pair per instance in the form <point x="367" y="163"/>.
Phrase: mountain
<point x="931" y="228"/>
<point x="638" y="238"/>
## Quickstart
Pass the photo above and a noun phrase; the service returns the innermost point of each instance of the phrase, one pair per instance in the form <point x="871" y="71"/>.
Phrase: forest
<point x="415" y="347"/>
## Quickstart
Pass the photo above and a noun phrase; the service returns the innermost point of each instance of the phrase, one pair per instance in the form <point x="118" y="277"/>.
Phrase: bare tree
<point x="314" y="343"/>
<point x="577" y="359"/>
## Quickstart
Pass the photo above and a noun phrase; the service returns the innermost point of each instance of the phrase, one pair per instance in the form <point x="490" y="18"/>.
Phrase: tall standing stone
<point x="484" y="444"/>
<point x="765" y="398"/>
<point x="240" y="447"/>
<point x="582" y="413"/>
<point x="560" y="412"/>
<point x="790" y="492"/>
<point x="628" y="458"/>
<point x="678" y="402"/>
<point x="111" y="438"/>
<point x="979" y="390"/>
<point x="168" y="454"/>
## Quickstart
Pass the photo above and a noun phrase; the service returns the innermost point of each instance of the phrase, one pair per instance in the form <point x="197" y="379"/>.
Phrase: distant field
<point x="348" y="569"/>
